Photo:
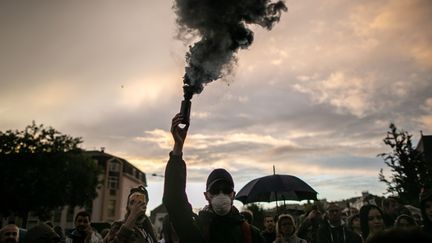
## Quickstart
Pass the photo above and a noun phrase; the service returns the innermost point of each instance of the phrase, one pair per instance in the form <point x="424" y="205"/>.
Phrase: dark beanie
<point x="219" y="175"/>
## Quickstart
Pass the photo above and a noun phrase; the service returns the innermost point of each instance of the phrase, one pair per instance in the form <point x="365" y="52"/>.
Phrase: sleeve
<point x="257" y="236"/>
<point x="119" y="233"/>
<point x="354" y="237"/>
<point x="302" y="231"/>
<point x="176" y="201"/>
<point x="323" y="235"/>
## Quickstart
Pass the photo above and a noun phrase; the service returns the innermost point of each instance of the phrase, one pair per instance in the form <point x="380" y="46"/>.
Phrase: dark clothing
<point x="206" y="227"/>
<point x="427" y="229"/>
<point x="336" y="234"/>
<point x="269" y="236"/>
<point x="427" y="224"/>
<point x="120" y="233"/>
<point x="308" y="230"/>
<point x="41" y="233"/>
<point x="388" y="220"/>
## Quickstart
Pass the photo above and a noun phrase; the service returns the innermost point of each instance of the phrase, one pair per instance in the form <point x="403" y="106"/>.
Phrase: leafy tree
<point x="408" y="167"/>
<point x="42" y="170"/>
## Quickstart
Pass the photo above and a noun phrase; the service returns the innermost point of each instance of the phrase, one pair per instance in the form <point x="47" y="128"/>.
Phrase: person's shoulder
<point x="324" y="225"/>
<point x="115" y="226"/>
<point x="352" y="236"/>
<point x="95" y="236"/>
<point x="256" y="234"/>
<point x="117" y="223"/>
<point x="255" y="229"/>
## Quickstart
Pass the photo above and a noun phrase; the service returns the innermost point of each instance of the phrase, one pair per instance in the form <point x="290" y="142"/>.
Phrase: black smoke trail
<point x="222" y="27"/>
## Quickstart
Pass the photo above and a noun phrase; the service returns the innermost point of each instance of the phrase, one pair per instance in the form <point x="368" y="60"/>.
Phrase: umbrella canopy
<point x="276" y="188"/>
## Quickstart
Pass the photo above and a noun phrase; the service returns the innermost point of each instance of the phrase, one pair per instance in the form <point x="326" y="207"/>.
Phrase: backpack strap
<point x="247" y="234"/>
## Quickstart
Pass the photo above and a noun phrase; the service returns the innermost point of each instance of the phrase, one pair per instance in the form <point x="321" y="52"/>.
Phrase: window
<point x="113" y="182"/>
<point x="114" y="166"/>
<point x="111" y="208"/>
<point x="127" y="168"/>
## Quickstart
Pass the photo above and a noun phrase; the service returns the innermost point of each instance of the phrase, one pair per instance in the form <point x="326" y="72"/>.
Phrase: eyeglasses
<point x="224" y="189"/>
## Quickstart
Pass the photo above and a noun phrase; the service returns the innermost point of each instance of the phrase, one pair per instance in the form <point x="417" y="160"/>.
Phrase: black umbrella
<point x="276" y="188"/>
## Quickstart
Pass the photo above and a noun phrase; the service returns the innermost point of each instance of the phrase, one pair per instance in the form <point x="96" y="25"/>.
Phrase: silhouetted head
<point x="220" y="191"/>
<point x="371" y="220"/>
<point x="9" y="234"/>
<point x="82" y="221"/>
<point x="334" y="214"/>
<point x="248" y="215"/>
<point x="285" y="225"/>
<point x="137" y="194"/>
<point x="405" y="221"/>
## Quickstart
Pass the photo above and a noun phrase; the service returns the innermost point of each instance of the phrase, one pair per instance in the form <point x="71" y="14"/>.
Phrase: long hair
<point x="364" y="218"/>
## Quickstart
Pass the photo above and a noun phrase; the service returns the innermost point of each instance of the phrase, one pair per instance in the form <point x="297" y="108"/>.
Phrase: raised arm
<point x="179" y="134"/>
<point x="175" y="198"/>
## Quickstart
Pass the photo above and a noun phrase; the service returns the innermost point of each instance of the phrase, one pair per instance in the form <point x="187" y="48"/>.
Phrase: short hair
<point x="268" y="216"/>
<point x="140" y="189"/>
<point x="2" y="230"/>
<point x="82" y="214"/>
<point x="9" y="225"/>
<point x="350" y="219"/>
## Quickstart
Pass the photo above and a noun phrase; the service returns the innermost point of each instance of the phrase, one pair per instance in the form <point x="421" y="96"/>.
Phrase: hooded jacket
<point x="336" y="234"/>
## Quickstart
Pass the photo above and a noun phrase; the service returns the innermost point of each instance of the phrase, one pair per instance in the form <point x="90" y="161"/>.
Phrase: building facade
<point x="425" y="147"/>
<point x="117" y="178"/>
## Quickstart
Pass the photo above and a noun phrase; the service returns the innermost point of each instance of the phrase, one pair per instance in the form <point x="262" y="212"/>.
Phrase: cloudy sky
<point x="313" y="97"/>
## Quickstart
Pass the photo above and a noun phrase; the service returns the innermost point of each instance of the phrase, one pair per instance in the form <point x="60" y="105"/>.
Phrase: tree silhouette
<point x="42" y="170"/>
<point x="408" y="167"/>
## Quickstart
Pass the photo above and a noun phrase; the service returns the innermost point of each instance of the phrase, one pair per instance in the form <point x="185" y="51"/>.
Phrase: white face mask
<point x="221" y="204"/>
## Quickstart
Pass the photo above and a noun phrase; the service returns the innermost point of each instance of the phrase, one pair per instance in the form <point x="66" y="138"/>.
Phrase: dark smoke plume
<point x="222" y="26"/>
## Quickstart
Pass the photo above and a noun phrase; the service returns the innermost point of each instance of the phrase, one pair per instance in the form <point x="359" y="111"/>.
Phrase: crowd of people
<point x="221" y="222"/>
